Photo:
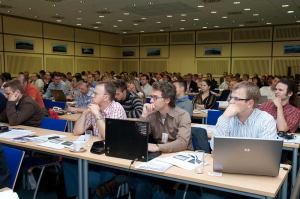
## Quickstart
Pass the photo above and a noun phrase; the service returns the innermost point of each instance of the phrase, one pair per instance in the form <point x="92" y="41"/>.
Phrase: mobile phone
<point x="53" y="137"/>
<point x="67" y="143"/>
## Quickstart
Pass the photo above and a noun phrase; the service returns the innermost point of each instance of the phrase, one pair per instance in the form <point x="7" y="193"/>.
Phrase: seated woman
<point x="205" y="99"/>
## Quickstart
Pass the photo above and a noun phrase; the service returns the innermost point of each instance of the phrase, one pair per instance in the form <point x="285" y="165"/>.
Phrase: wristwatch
<point x="99" y="118"/>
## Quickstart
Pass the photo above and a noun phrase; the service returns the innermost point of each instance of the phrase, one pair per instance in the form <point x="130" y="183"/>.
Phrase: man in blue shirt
<point x="56" y="84"/>
<point x="182" y="100"/>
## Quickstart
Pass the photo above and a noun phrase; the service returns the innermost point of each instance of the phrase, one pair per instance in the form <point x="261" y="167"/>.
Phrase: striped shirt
<point x="259" y="124"/>
<point x="114" y="110"/>
<point x="83" y="100"/>
<point x="133" y="105"/>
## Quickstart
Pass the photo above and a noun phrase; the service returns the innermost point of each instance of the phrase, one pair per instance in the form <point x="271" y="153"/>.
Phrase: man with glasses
<point x="132" y="104"/>
<point x="170" y="125"/>
<point x="242" y="119"/>
<point x="56" y="84"/>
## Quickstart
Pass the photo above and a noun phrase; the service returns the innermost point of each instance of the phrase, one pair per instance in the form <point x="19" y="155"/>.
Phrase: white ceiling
<point x="153" y="15"/>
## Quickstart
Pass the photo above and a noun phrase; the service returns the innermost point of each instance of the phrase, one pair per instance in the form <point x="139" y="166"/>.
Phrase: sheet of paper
<point x="44" y="138"/>
<point x="15" y="133"/>
<point x="8" y="194"/>
<point x="154" y="165"/>
<point x="295" y="140"/>
<point x="51" y="145"/>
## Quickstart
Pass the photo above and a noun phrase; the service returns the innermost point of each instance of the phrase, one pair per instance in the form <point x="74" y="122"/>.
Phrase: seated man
<point x="182" y="100"/>
<point x="102" y="106"/>
<point x="287" y="116"/>
<point x="83" y="97"/>
<point x="242" y="119"/>
<point x="170" y="125"/>
<point x="132" y="104"/>
<point x="56" y="84"/>
<point x="20" y="108"/>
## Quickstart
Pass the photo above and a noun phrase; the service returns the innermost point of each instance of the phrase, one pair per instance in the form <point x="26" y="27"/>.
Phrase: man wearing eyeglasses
<point x="282" y="108"/>
<point x="242" y="119"/>
<point x="170" y="125"/>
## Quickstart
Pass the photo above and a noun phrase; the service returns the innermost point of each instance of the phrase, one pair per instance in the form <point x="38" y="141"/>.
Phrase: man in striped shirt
<point x="242" y="119"/>
<point x="131" y="103"/>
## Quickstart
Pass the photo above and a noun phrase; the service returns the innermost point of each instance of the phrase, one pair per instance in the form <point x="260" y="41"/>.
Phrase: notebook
<point x="247" y="155"/>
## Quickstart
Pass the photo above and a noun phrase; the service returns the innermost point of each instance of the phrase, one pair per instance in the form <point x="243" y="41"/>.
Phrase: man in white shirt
<point x="147" y="89"/>
<point x="242" y="119"/>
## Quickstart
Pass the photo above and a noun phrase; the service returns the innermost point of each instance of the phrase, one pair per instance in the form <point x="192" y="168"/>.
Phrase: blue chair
<point x="42" y="164"/>
<point x="13" y="158"/>
<point x="215" y="106"/>
<point x="50" y="104"/>
<point x="212" y="116"/>
<point x="53" y="124"/>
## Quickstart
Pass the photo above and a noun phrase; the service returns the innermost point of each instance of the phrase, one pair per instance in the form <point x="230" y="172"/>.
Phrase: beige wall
<point x="244" y="50"/>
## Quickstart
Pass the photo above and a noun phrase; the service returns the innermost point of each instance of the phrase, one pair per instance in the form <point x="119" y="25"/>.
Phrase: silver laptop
<point x="247" y="155"/>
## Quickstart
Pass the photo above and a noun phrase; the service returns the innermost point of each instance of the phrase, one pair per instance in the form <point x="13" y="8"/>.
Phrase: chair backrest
<point x="212" y="116"/>
<point x="200" y="139"/>
<point x="53" y="124"/>
<point x="295" y="194"/>
<point x="215" y="106"/>
<point x="13" y="158"/>
<point x="50" y="104"/>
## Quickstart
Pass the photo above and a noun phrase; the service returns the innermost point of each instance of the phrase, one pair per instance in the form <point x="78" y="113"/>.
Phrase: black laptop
<point x="128" y="139"/>
<point x="58" y="95"/>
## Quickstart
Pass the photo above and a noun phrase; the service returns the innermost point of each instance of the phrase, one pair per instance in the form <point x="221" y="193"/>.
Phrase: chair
<point x="296" y="189"/>
<point x="215" y="106"/>
<point x="212" y="116"/>
<point x="42" y="164"/>
<point x="13" y="158"/>
<point x="200" y="139"/>
<point x="50" y="104"/>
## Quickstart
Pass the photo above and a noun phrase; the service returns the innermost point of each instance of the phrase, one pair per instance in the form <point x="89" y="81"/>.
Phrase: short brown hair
<point x="252" y="91"/>
<point x="110" y="88"/>
<point x="14" y="85"/>
<point x="167" y="90"/>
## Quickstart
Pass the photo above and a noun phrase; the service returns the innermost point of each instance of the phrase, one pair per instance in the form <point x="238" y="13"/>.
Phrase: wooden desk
<point x="294" y="147"/>
<point x="254" y="186"/>
<point x="70" y="119"/>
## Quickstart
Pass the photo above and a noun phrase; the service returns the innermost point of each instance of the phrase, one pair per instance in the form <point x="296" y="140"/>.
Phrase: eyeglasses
<point x="238" y="99"/>
<point x="154" y="97"/>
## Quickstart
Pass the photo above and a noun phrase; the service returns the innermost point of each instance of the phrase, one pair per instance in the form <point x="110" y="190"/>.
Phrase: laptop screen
<point x="247" y="155"/>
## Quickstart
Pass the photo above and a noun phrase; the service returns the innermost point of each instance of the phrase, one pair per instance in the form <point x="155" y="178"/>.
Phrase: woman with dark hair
<point x="257" y="82"/>
<point x="205" y="99"/>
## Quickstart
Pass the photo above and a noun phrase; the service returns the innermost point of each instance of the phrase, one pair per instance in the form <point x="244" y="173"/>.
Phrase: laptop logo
<point x="142" y="128"/>
<point x="247" y="150"/>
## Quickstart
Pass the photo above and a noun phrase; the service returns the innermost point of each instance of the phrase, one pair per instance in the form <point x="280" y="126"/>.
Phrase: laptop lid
<point x="247" y="155"/>
<point x="58" y="95"/>
<point x="127" y="139"/>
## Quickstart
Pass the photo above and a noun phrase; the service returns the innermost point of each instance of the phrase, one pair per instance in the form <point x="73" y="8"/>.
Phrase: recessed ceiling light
<point x="58" y="20"/>
<point x="224" y="17"/>
<point x="79" y="11"/>
<point x="29" y="8"/>
<point x="101" y="16"/>
<point x="183" y="20"/>
<point x="126" y="13"/>
<point x="241" y="25"/>
<point x="268" y="23"/>
<point x="290" y="11"/>
<point x="79" y="18"/>
<point x="115" y="26"/>
<point x="98" y="22"/>
<point x="183" y="15"/>
<point x="285" y="5"/>
<point x="35" y="16"/>
<point x="169" y="16"/>
<point x="82" y="1"/>
<point x="56" y="14"/>
<point x="247" y="9"/>
<point x="143" y="18"/>
<point x="158" y="22"/>
<point x="96" y="27"/>
<point x="213" y="12"/>
<point x="8" y="11"/>
<point x="204" y="27"/>
<point x="78" y="24"/>
<point x="142" y="31"/>
<point x="161" y="30"/>
<point x="255" y="14"/>
<point x="124" y="32"/>
<point x="135" y="24"/>
<point x="181" y="28"/>
<point x="196" y="19"/>
<point x="200" y="6"/>
<point x="119" y="20"/>
<point x="216" y="26"/>
<point x="53" y="5"/>
<point x="236" y="2"/>
<point x="298" y="21"/>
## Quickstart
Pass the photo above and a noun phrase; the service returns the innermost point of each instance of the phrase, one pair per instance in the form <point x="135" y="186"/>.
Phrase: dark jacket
<point x="192" y="88"/>
<point x="25" y="112"/>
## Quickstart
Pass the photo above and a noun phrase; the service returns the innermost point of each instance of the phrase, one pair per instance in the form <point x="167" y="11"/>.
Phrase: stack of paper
<point x="15" y="133"/>
<point x="154" y="165"/>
